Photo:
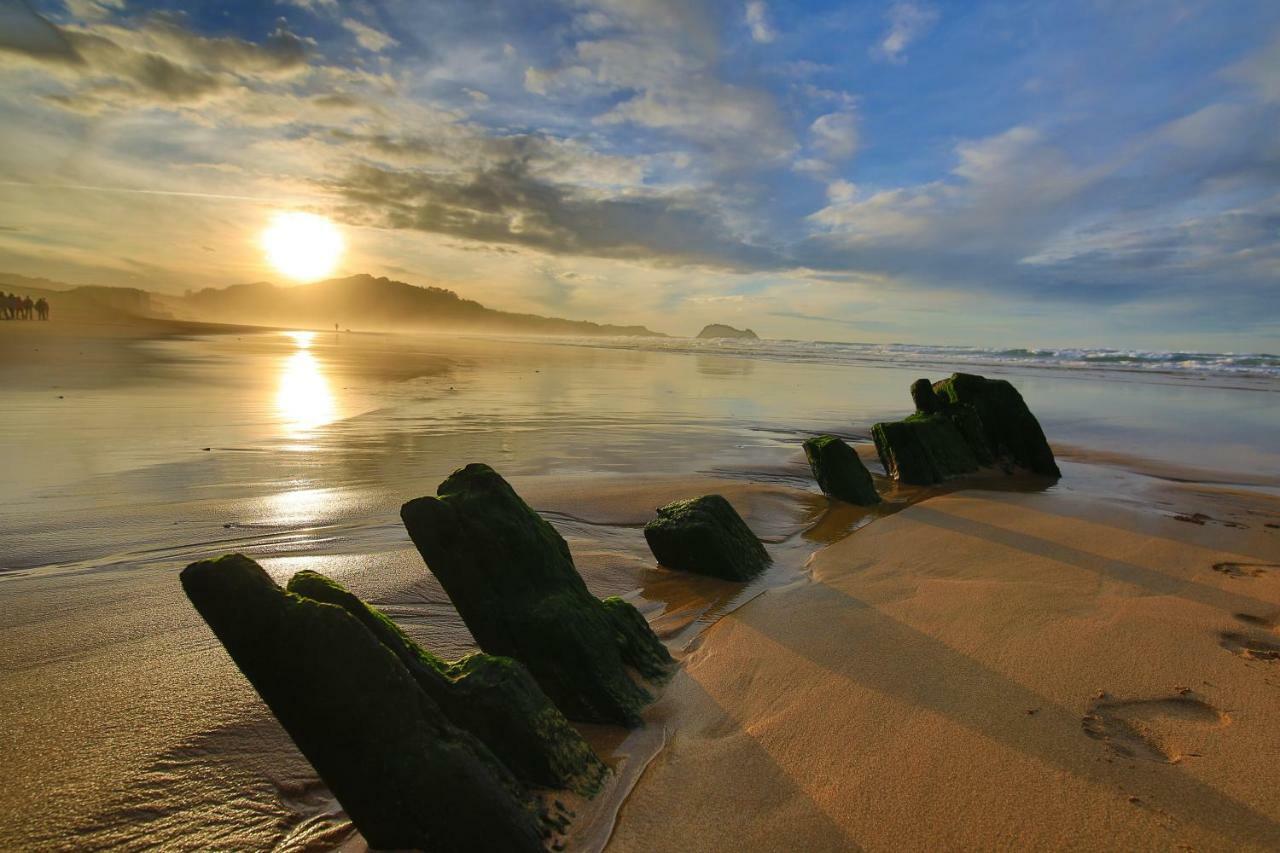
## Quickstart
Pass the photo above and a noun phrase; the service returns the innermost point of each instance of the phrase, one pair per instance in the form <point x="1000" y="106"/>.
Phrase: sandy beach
<point x="1000" y="663"/>
<point x="989" y="670"/>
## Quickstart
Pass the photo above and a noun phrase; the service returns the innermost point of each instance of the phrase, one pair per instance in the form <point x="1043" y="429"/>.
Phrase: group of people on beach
<point x="15" y="307"/>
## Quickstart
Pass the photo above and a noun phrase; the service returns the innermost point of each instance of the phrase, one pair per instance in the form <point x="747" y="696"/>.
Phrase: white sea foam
<point x="1255" y="365"/>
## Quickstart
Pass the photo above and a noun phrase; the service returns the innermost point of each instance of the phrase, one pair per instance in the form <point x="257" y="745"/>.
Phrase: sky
<point x="1081" y="173"/>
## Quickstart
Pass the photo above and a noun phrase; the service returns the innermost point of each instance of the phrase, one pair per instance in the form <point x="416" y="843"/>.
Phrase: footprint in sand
<point x="1162" y="730"/>
<point x="1255" y="646"/>
<point x="1244" y="570"/>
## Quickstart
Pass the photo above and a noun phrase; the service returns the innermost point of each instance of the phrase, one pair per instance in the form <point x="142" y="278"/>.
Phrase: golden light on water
<point x="302" y="246"/>
<point x="304" y="400"/>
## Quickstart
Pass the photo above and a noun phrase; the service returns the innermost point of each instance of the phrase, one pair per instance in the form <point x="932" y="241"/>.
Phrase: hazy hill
<point x="360" y="302"/>
<point x="365" y="302"/>
<point x="89" y="303"/>
<point x="11" y="281"/>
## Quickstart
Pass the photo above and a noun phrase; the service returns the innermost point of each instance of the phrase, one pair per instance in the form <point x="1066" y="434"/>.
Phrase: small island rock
<point x="719" y="330"/>
<point x="706" y="536"/>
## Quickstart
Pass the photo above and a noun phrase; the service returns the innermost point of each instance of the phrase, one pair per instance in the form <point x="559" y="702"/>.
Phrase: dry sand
<point x="990" y="670"/>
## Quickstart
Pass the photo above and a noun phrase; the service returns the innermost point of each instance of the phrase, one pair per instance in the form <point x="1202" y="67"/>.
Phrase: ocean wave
<point x="1186" y="363"/>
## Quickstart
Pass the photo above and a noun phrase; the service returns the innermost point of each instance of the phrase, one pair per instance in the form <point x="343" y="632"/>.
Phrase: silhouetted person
<point x="27" y="306"/>
<point x="8" y="306"/>
<point x="42" y="308"/>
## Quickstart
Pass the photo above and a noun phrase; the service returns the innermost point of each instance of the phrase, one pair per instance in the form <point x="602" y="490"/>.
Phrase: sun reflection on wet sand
<point x="304" y="400"/>
<point x="297" y="506"/>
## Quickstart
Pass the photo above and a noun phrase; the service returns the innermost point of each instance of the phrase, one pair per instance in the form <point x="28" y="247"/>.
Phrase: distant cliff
<point x="719" y="330"/>
<point x="365" y="302"/>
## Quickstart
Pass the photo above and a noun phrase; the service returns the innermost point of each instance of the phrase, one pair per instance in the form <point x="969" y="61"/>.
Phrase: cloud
<point x="24" y="32"/>
<point x="757" y="17"/>
<point x="314" y="6"/>
<point x="835" y="134"/>
<point x="868" y="325"/>
<point x="908" y="21"/>
<point x="1174" y="212"/>
<point x="90" y="10"/>
<point x="157" y="63"/>
<point x="656" y="62"/>
<point x="711" y="112"/>
<point x="1260" y="70"/>
<point x="841" y="192"/>
<point x="367" y="37"/>
<point x="505" y="203"/>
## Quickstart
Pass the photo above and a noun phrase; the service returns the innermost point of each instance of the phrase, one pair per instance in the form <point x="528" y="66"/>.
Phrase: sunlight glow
<point x="302" y="339"/>
<point x="302" y="246"/>
<point x="297" y="507"/>
<point x="304" y="400"/>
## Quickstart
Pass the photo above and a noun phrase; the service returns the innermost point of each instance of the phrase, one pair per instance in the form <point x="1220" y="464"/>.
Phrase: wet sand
<point x="924" y="674"/>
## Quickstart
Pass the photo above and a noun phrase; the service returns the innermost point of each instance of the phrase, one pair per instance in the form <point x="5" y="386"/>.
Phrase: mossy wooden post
<point x="407" y="776"/>
<point x="961" y="424"/>
<point x="494" y="698"/>
<point x="1009" y="428"/>
<point x="706" y="536"/>
<point x="926" y="400"/>
<point x="923" y="449"/>
<point x="512" y="579"/>
<point x="839" y="471"/>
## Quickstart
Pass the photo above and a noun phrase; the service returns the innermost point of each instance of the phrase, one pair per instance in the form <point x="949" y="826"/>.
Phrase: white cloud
<point x="811" y="166"/>
<point x="757" y="15"/>
<point x="93" y="10"/>
<point x="315" y="6"/>
<point x="1261" y="70"/>
<point x="1008" y="191"/>
<point x="908" y="21"/>
<point x="668" y="83"/>
<point x="841" y="191"/>
<point x="835" y="134"/>
<point x="367" y="37"/>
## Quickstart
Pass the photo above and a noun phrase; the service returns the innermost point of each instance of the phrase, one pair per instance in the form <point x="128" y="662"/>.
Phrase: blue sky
<point x="1090" y="173"/>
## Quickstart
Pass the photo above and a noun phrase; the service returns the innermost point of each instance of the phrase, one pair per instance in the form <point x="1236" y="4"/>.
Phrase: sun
<point x="302" y="246"/>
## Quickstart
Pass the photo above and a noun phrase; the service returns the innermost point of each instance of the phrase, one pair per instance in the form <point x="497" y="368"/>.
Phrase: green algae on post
<point x="404" y="773"/>
<point x="1009" y="428"/>
<point x="923" y="449"/>
<point x="961" y="424"/>
<point x="512" y="579"/>
<point x="706" y="536"/>
<point x="839" y="471"/>
<point x="494" y="698"/>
